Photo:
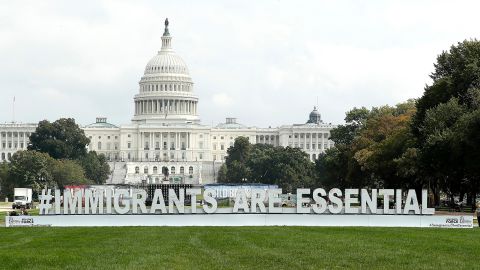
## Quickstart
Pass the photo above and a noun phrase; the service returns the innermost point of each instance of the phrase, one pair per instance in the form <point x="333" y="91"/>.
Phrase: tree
<point x="68" y="172"/>
<point x="95" y="166"/>
<point x="30" y="169"/>
<point x="62" y="139"/>
<point x="222" y="174"/>
<point x="287" y="167"/>
<point x="4" y="176"/>
<point x="446" y="123"/>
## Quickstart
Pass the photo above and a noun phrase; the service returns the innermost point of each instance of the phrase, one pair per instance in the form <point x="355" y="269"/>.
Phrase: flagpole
<point x="13" y="109"/>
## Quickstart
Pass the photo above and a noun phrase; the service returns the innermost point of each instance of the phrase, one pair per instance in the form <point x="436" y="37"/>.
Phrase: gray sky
<point x="264" y="62"/>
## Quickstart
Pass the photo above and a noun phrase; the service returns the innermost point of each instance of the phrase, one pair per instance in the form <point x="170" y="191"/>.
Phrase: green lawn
<point x="238" y="248"/>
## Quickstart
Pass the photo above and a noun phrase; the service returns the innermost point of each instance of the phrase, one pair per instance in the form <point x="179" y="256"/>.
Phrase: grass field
<point x="238" y="248"/>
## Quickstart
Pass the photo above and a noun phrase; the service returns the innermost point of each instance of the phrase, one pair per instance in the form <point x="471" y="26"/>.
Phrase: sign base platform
<point x="181" y="220"/>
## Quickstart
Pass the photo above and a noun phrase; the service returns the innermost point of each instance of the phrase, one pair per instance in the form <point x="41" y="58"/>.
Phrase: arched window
<point x="155" y="170"/>
<point x="145" y="169"/>
<point x="164" y="170"/>
<point x="182" y="170"/>
<point x="172" y="170"/>
<point x="137" y="169"/>
<point x="99" y="146"/>
<point x="190" y="170"/>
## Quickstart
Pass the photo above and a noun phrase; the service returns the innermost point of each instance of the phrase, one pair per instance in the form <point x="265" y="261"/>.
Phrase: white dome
<point x="166" y="89"/>
<point x="166" y="62"/>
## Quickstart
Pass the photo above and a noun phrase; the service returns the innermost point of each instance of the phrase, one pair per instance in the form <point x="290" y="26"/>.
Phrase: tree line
<point x="56" y="156"/>
<point x="432" y="142"/>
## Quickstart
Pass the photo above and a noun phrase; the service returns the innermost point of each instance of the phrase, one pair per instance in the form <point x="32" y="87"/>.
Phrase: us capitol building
<point x="165" y="132"/>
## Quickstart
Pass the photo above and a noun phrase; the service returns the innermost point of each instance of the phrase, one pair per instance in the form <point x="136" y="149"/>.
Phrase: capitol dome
<point x="166" y="88"/>
<point x="314" y="117"/>
<point x="166" y="61"/>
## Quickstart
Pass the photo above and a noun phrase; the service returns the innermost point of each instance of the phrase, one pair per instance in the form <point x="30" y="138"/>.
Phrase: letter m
<point x="72" y="202"/>
<point x="93" y="201"/>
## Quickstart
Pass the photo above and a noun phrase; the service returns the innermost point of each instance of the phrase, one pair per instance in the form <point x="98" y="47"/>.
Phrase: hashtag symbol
<point x="45" y="199"/>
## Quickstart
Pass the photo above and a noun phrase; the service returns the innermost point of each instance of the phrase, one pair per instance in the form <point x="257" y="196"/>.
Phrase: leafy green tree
<point x="446" y="123"/>
<point x="68" y="172"/>
<point x="222" y="174"/>
<point x="30" y="169"/>
<point x="4" y="177"/>
<point x="62" y="139"/>
<point x="95" y="166"/>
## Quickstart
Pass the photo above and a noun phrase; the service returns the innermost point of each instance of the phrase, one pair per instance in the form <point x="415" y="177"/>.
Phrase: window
<point x="99" y="137"/>
<point x="108" y="146"/>
<point x="99" y="146"/>
<point x="3" y="156"/>
<point x="214" y="146"/>
<point x="115" y="145"/>
<point x="116" y="137"/>
<point x="145" y="169"/>
<point x="172" y="170"/>
<point x="314" y="157"/>
<point x="128" y="135"/>
<point x="157" y="145"/>
<point x="296" y="136"/>
<point x="221" y="138"/>
<point x="190" y="170"/>
<point x="200" y="145"/>
<point x="128" y="156"/>
<point x="222" y="147"/>
<point x="200" y="156"/>
<point x="214" y="157"/>
<point x="182" y="170"/>
<point x="108" y="137"/>
<point x="313" y="146"/>
<point x="137" y="169"/>
<point x="129" y="144"/>
<point x="214" y="137"/>
<point x="164" y="145"/>
<point x="155" y="170"/>
<point x="146" y="155"/>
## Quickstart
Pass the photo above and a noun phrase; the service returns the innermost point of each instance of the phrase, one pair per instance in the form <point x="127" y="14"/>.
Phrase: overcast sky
<point x="264" y="62"/>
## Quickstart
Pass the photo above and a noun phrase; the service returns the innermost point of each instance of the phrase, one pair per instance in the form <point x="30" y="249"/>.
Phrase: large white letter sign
<point x="209" y="200"/>
<point x="241" y="201"/>
<point x="116" y="201"/>
<point x="335" y="201"/>
<point x="371" y="202"/>
<point x="93" y="201"/>
<point x="301" y="200"/>
<point x="158" y="203"/>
